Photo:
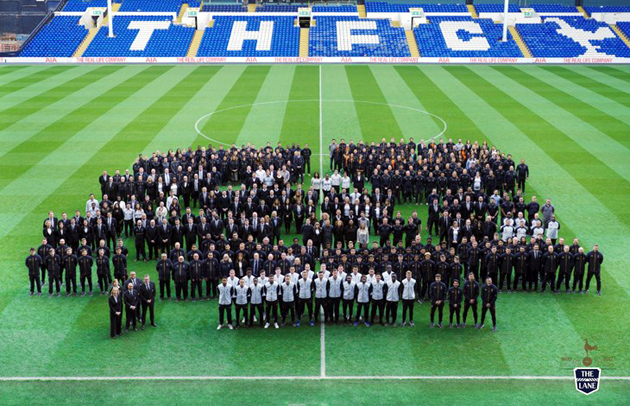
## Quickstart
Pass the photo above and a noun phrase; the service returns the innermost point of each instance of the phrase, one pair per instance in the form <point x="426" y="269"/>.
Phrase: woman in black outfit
<point x="115" y="313"/>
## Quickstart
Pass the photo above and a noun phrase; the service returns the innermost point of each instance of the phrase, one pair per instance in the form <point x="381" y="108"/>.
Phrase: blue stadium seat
<point x="553" y="8"/>
<point x="151" y="5"/>
<point x="607" y="9"/>
<point x="496" y="8"/>
<point x="82" y="5"/>
<point x="624" y="27"/>
<point x="171" y="42"/>
<point x="285" y="40"/>
<point x="598" y="39"/>
<point x="469" y="39"/>
<point x="335" y="9"/>
<point x="59" y="38"/>
<point x="383" y="7"/>
<point x="224" y="8"/>
<point x="391" y="40"/>
<point x="279" y="8"/>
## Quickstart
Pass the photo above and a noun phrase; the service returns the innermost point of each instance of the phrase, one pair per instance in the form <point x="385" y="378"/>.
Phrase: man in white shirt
<point x="91" y="201"/>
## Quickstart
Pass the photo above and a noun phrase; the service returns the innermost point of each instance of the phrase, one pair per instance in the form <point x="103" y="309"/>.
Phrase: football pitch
<point x="61" y="126"/>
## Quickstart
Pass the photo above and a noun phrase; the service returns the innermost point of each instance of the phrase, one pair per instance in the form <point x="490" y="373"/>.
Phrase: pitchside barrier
<point x="315" y="60"/>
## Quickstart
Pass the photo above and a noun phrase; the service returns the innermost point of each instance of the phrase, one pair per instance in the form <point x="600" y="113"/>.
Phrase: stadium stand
<point x="234" y="32"/>
<point x="151" y="5"/>
<point x="166" y="39"/>
<point x="463" y="37"/>
<point x="59" y="38"/>
<point x="277" y="37"/>
<point x="570" y="37"/>
<point x="370" y="37"/>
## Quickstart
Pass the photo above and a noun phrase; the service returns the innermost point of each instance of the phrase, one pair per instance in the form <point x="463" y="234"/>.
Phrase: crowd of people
<point x="214" y="220"/>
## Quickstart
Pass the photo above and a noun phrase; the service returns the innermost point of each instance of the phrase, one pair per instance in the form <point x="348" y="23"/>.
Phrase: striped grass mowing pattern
<point x="568" y="123"/>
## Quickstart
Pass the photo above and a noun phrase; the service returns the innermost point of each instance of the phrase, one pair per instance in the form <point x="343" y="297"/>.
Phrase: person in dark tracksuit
<point x="565" y="261"/>
<point x="164" y="268"/>
<point x="489" y="293"/>
<point x="535" y="265"/>
<point x="550" y="265"/>
<point x="520" y="268"/>
<point x="437" y="294"/>
<point x="70" y="263"/>
<point x="85" y="272"/>
<point x="471" y="293"/>
<point x="53" y="265"/>
<point x="34" y="263"/>
<point x="180" y="277"/>
<point x="455" y="303"/>
<point x="595" y="260"/>
<point x="579" y="265"/>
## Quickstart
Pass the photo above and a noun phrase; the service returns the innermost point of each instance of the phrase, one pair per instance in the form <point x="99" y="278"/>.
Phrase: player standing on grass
<point x="471" y="293"/>
<point x="225" y="303"/>
<point x="454" y="303"/>
<point x="348" y="299"/>
<point x="272" y="288"/>
<point x="437" y="294"/>
<point x="363" y="289"/>
<point x="392" y="296"/>
<point x="33" y="263"/>
<point x="408" y="297"/>
<point x="595" y="259"/>
<point x="288" y="291"/>
<point x="489" y="293"/>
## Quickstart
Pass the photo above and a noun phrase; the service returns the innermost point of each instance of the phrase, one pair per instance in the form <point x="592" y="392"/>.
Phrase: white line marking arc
<point x="315" y="101"/>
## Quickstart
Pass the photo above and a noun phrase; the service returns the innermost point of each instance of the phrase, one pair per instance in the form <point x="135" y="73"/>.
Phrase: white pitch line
<point x="321" y="131"/>
<point x="322" y="345"/>
<point x="304" y="378"/>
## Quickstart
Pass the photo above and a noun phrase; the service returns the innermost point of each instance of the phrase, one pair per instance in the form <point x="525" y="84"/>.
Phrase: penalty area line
<point x="305" y="378"/>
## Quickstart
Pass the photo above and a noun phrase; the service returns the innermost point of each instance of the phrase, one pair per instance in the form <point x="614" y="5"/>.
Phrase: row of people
<point x="136" y="295"/>
<point x="336" y="295"/>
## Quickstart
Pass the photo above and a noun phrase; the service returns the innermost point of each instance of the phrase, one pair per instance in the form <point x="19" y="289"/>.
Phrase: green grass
<point x="61" y="126"/>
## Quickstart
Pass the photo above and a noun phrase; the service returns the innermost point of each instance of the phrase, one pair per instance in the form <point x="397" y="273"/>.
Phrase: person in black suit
<point x="147" y="296"/>
<point x="434" y="216"/>
<point x="115" y="313"/>
<point x="131" y="306"/>
<point x="111" y="230"/>
<point x="190" y="232"/>
<point x="445" y="224"/>
<point x="164" y="232"/>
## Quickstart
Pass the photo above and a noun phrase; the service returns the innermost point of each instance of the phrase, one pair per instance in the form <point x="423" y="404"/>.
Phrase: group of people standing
<point x="246" y="199"/>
